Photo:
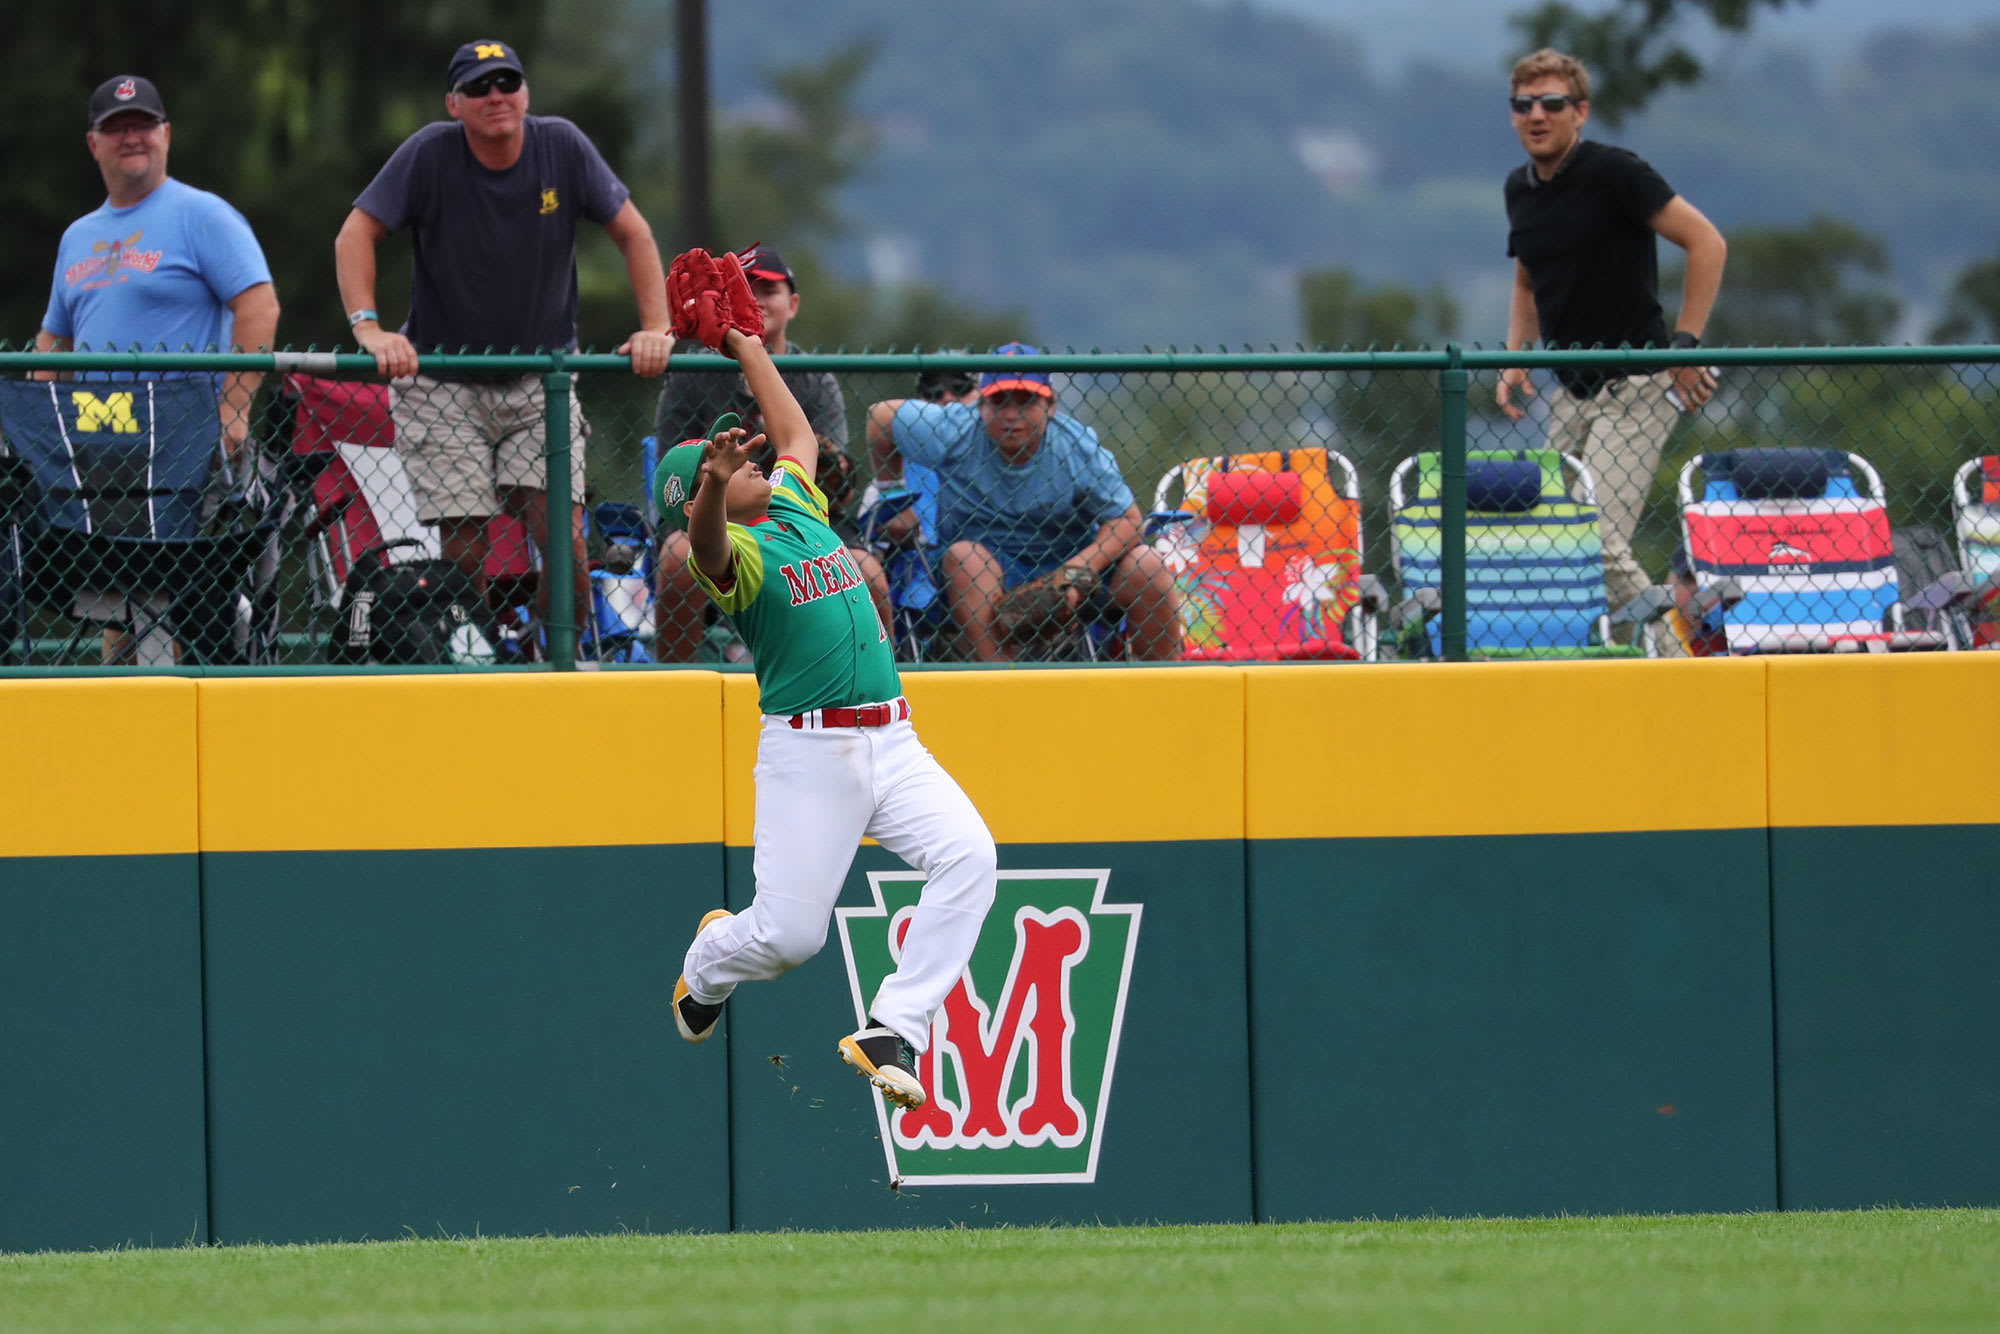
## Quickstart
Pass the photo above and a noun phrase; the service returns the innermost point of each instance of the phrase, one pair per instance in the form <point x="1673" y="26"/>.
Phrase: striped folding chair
<point x="1804" y="533"/>
<point x="1534" y="557"/>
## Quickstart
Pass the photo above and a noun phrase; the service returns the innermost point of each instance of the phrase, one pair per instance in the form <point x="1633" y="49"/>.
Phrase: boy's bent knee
<point x="791" y="946"/>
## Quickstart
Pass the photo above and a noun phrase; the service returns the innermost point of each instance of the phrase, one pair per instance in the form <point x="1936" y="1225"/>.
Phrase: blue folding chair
<point x="120" y="472"/>
<point x="1534" y="557"/>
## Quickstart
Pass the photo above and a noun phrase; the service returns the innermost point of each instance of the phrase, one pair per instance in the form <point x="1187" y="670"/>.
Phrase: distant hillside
<point x="1158" y="171"/>
<point x="1410" y="30"/>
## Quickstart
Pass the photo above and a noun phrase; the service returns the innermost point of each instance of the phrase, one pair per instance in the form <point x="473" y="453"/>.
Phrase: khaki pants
<point x="462" y="441"/>
<point x="1619" y="434"/>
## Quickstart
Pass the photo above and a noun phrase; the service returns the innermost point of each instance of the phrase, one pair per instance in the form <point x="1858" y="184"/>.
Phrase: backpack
<point x="1923" y="556"/>
<point x="423" y="612"/>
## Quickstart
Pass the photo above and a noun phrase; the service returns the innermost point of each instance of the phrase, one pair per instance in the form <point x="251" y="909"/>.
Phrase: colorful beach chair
<point x="1534" y="558"/>
<point x="1266" y="553"/>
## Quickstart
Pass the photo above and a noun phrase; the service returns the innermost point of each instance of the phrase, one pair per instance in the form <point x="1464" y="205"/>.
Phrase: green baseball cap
<point x="674" y="480"/>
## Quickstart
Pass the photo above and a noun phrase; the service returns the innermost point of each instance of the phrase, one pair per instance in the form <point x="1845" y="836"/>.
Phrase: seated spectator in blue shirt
<point x="1023" y="491"/>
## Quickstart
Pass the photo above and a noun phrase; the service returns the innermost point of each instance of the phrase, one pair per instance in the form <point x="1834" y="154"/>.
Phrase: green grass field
<point x="1881" y="1270"/>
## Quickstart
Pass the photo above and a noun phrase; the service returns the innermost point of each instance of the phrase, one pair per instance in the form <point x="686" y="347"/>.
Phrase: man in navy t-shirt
<point x="1582" y="226"/>
<point x="491" y="199"/>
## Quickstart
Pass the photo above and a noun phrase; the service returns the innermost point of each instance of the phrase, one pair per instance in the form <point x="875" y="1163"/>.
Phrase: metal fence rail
<point x="1355" y="505"/>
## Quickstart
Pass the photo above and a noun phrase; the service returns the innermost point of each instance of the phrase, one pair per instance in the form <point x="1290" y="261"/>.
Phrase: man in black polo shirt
<point x="492" y="198"/>
<point x="1581" y="220"/>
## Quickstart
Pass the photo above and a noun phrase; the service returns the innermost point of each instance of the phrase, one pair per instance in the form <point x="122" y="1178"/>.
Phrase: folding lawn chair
<point x="359" y="493"/>
<point x="362" y="506"/>
<point x="918" y="609"/>
<point x="1975" y="496"/>
<point x="1266" y="553"/>
<point x="1804" y="533"/>
<point x="127" y="515"/>
<point x="1534" y="557"/>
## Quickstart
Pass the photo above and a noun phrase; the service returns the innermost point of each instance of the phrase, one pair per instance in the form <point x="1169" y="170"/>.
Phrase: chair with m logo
<point x="1804" y="534"/>
<point x="109" y="530"/>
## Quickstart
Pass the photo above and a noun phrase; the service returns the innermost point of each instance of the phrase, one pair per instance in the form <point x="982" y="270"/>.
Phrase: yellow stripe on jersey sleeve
<point x="810" y="495"/>
<point x="749" y="572"/>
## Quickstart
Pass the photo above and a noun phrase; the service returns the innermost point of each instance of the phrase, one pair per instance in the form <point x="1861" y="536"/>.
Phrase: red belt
<point x="865" y="715"/>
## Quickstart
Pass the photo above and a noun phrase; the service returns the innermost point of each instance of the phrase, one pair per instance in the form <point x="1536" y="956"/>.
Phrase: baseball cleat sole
<point x="897" y="1084"/>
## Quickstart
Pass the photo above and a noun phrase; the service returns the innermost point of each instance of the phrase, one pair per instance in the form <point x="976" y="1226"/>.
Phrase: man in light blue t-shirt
<point x="159" y="265"/>
<point x="1025" y="491"/>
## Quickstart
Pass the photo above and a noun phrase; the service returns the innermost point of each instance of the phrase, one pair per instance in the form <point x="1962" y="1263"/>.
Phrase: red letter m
<point x="986" y="1044"/>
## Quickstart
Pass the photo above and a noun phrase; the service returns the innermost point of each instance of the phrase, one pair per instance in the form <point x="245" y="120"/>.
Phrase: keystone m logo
<point x="1021" y="1057"/>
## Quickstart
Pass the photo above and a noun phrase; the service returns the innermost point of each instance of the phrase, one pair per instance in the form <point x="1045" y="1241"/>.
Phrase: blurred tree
<point x="1973" y="310"/>
<point x="1824" y="283"/>
<point x="1382" y="417"/>
<point x="285" y="110"/>
<point x="1630" y="48"/>
<point x="779" y="176"/>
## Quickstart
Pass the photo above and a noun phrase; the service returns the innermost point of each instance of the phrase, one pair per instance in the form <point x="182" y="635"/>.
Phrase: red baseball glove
<point x="709" y="296"/>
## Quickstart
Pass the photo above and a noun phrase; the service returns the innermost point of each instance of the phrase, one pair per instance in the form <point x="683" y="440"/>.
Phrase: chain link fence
<point x="1194" y="507"/>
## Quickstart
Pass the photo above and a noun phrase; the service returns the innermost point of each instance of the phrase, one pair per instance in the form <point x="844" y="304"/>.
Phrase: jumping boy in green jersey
<point x="837" y="758"/>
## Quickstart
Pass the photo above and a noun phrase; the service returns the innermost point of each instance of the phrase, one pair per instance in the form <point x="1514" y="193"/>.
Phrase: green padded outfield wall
<point x="1885" y="882"/>
<point x="1095" y="1067"/>
<point x="100" y="968"/>
<point x="1501" y="961"/>
<point x="1274" y="942"/>
<point x="443" y="921"/>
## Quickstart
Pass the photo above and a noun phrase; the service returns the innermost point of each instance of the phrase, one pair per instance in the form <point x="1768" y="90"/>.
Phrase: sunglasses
<point x="1551" y="103"/>
<point x="504" y="81"/>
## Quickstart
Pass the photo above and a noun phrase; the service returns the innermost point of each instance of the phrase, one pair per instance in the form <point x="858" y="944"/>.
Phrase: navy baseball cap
<point x="125" y="92"/>
<point x="760" y="261"/>
<point x="999" y="382"/>
<point x="477" y="58"/>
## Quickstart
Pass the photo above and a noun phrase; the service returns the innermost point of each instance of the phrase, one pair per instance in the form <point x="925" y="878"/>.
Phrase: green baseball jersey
<point x="802" y="606"/>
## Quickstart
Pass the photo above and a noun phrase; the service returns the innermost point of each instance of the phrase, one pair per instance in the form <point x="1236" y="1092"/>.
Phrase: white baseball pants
<point x="819" y="790"/>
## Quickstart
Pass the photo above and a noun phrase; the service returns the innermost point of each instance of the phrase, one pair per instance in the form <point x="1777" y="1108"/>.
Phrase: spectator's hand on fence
<point x="1695" y="386"/>
<point x="394" y="355"/>
<point x="235" y="431"/>
<point x="1514" y="380"/>
<point x="649" y="350"/>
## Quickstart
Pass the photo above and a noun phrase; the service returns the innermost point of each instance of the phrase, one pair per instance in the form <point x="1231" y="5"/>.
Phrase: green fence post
<point x="1451" y="501"/>
<point x="560" y="559"/>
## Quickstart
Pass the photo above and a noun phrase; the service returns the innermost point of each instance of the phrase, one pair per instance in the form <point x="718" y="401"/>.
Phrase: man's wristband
<point x="1682" y="338"/>
<point x="355" y="317"/>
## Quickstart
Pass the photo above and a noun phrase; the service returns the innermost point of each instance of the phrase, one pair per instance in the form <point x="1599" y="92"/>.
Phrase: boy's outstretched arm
<point x="784" y="420"/>
<point x="708" y="513"/>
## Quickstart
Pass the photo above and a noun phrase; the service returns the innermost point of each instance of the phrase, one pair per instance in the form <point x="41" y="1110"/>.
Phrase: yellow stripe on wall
<point x="97" y="767"/>
<point x="1085" y="756"/>
<point x="1886" y="740"/>
<point x="1505" y="748"/>
<point x="412" y="762"/>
